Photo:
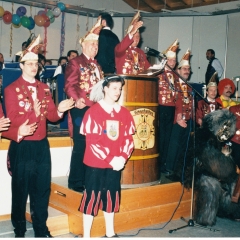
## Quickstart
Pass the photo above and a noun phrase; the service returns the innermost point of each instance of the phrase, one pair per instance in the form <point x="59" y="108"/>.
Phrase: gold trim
<point x="139" y="104"/>
<point x="136" y="158"/>
<point x="54" y="142"/>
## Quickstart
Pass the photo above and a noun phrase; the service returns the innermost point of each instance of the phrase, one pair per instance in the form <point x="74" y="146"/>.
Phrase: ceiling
<point x="148" y="8"/>
<point x="156" y="6"/>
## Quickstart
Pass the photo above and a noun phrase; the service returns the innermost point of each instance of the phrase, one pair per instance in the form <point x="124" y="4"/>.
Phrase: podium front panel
<point x="140" y="97"/>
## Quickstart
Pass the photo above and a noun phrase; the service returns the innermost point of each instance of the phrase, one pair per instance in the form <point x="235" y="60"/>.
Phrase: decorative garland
<point x="11" y="35"/>
<point x="77" y="33"/>
<point x="62" y="41"/>
<point x="45" y="38"/>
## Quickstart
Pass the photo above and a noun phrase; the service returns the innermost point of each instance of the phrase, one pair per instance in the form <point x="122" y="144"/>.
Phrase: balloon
<point x="47" y="20"/>
<point x="17" y="25"/>
<point x="1" y="11"/>
<point x="41" y="12"/>
<point x="7" y="17"/>
<point x="32" y="23"/>
<point x="25" y="21"/>
<point x="15" y="19"/>
<point x="61" y="6"/>
<point x="56" y="11"/>
<point x="50" y="16"/>
<point x="21" y="11"/>
<point x="39" y="20"/>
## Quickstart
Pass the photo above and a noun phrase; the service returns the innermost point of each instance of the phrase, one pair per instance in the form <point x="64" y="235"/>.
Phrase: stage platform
<point x="139" y="207"/>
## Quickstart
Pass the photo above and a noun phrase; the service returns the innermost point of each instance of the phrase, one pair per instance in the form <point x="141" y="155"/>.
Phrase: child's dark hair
<point x="112" y="78"/>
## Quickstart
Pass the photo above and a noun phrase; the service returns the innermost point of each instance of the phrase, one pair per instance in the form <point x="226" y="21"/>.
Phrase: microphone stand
<point x="190" y="222"/>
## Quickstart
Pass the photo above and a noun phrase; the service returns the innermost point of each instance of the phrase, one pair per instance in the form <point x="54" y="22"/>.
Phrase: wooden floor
<point x="139" y="207"/>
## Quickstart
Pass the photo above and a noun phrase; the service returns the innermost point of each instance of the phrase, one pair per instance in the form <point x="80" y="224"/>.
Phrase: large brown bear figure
<point x="215" y="169"/>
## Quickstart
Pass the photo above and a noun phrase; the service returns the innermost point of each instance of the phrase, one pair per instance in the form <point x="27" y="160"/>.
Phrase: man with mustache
<point x="214" y="65"/>
<point x="203" y="107"/>
<point x="183" y="114"/>
<point x="226" y="88"/>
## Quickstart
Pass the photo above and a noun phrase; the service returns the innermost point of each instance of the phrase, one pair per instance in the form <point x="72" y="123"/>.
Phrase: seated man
<point x="203" y="107"/>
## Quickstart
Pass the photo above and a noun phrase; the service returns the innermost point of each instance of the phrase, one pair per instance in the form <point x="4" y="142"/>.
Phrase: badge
<point x="21" y="104"/>
<point x="112" y="127"/>
<point x="20" y="96"/>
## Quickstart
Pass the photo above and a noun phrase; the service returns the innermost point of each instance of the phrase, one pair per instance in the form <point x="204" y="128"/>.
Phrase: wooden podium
<point x="140" y="97"/>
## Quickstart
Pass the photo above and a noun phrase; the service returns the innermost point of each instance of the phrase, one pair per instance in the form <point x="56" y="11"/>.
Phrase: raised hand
<point x="65" y="105"/>
<point x="37" y="107"/>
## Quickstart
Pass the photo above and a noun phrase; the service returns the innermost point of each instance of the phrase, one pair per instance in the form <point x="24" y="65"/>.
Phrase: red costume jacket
<point x="167" y="88"/>
<point x="204" y="108"/>
<point x="80" y="76"/>
<point x="130" y="60"/>
<point x="108" y="134"/>
<point x="183" y="101"/>
<point x="19" y="107"/>
<point x="236" y="111"/>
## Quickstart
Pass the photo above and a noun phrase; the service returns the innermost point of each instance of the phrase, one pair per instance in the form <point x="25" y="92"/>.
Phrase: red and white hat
<point x="31" y="52"/>
<point x="185" y="59"/>
<point x="171" y="52"/>
<point x="213" y="80"/>
<point x="93" y="34"/>
<point x="135" y="19"/>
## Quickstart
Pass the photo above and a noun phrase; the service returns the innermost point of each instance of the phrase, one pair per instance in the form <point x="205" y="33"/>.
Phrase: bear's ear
<point x="208" y="122"/>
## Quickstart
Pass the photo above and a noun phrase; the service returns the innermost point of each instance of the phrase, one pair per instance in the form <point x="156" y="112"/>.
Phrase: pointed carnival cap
<point x="185" y="59"/>
<point x="213" y="81"/>
<point x="224" y="82"/>
<point x="135" y="19"/>
<point x="31" y="52"/>
<point x="172" y="50"/>
<point x="93" y="34"/>
<point x="97" y="93"/>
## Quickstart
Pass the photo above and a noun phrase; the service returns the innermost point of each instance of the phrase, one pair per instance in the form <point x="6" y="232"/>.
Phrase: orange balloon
<point x="47" y="20"/>
<point x="39" y="20"/>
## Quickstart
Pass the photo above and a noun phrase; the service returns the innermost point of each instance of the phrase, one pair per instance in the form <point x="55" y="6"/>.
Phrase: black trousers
<point x="178" y="143"/>
<point x="165" y="118"/>
<point x="235" y="153"/>
<point x="31" y="175"/>
<point x="76" y="175"/>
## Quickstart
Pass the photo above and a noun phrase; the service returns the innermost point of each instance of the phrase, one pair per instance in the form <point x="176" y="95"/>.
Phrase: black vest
<point x="210" y="71"/>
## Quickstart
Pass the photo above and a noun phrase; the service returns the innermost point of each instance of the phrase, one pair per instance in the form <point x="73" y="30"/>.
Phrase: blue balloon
<point x="21" y="11"/>
<point x="32" y="23"/>
<point x="61" y="6"/>
<point x="16" y="19"/>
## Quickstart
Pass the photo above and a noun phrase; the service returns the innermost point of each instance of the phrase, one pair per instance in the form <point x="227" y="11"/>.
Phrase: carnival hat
<point x="96" y="93"/>
<point x="31" y="52"/>
<point x="185" y="59"/>
<point x="171" y="51"/>
<point x="224" y="82"/>
<point x="93" y="34"/>
<point x="213" y="81"/>
<point x="135" y="19"/>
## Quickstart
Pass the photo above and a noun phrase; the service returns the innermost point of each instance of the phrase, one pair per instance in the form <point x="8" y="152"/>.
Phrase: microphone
<point x="154" y="52"/>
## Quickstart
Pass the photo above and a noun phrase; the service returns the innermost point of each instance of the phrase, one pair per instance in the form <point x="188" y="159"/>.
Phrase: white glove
<point x="117" y="163"/>
<point x="161" y="65"/>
